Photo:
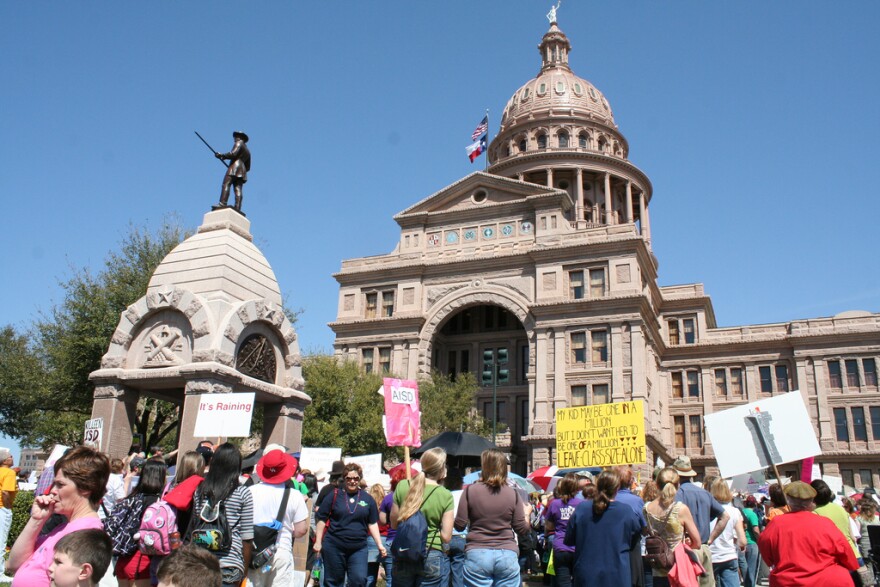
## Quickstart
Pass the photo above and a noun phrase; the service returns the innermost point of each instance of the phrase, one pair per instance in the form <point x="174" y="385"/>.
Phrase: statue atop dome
<point x="551" y="16"/>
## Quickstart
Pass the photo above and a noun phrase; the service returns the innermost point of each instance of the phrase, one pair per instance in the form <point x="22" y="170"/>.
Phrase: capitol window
<point x="583" y="140"/>
<point x="563" y="139"/>
<point x="681" y="331"/>
<point x="542" y="141"/>
<point x="522" y="145"/>
<point x="773" y="378"/>
<point x="577" y="286"/>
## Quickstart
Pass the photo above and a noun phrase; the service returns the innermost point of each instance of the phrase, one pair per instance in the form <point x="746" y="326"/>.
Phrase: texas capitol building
<point x="547" y="256"/>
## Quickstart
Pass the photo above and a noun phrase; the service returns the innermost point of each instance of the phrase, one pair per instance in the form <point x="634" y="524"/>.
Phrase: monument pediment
<point x="476" y="192"/>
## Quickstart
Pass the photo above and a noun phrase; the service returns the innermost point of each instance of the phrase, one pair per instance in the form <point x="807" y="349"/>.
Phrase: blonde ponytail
<point x="413" y="501"/>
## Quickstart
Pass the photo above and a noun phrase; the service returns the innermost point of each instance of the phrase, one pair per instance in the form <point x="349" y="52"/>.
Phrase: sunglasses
<point x="352" y="478"/>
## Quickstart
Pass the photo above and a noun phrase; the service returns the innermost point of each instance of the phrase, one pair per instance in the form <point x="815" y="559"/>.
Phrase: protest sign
<point x="370" y="464"/>
<point x="601" y="435"/>
<point x="317" y="459"/>
<point x="94" y="432"/>
<point x="224" y="414"/>
<point x="56" y="454"/>
<point x="402" y="419"/>
<point x="835" y="484"/>
<point x="761" y="434"/>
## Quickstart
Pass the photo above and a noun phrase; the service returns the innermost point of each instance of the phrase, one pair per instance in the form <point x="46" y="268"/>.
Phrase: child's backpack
<point x="410" y="544"/>
<point x="123" y="523"/>
<point x="208" y="527"/>
<point x="159" y="534"/>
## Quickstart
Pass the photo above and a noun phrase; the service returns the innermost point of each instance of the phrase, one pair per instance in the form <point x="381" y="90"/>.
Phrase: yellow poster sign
<point x="601" y="435"/>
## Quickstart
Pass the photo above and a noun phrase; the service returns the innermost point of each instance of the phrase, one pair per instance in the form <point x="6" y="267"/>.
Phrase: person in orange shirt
<point x="8" y="489"/>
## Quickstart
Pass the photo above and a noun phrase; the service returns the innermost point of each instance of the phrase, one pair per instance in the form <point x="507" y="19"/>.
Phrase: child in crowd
<point x="190" y="566"/>
<point x="81" y="559"/>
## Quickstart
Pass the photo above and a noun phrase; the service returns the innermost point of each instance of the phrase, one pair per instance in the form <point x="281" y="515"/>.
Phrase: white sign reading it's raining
<point x="761" y="434"/>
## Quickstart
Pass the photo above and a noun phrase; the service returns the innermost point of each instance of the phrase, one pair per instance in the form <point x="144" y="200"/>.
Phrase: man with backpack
<point x="280" y="515"/>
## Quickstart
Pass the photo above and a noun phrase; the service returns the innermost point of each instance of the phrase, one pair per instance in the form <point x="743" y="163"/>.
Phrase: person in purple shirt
<point x="559" y="512"/>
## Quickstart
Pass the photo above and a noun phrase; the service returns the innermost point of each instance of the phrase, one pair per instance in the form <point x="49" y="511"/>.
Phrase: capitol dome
<point x="556" y="89"/>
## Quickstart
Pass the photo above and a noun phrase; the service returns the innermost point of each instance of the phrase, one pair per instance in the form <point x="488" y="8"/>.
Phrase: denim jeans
<point x="563" y="562"/>
<point x="340" y="560"/>
<point x="388" y="563"/>
<point x="726" y="573"/>
<point x="433" y="573"/>
<point x="5" y="525"/>
<point x="488" y="567"/>
<point x="456" y="560"/>
<point x="374" y="561"/>
<point x="753" y="562"/>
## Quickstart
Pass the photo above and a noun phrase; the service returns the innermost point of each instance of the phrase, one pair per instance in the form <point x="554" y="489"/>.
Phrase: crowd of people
<point x="213" y="520"/>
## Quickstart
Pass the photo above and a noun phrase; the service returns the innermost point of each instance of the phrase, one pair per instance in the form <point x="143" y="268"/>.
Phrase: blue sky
<point x="756" y="122"/>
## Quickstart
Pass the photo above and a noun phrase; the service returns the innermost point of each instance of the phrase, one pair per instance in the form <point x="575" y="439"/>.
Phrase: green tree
<point x="449" y="404"/>
<point x="346" y="411"/>
<point x="45" y="392"/>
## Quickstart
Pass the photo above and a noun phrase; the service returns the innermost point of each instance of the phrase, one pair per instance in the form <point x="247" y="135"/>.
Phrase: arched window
<point x="507" y="150"/>
<point x="563" y="139"/>
<point x="583" y="140"/>
<point x="522" y="145"/>
<point x="602" y="144"/>
<point x="542" y="141"/>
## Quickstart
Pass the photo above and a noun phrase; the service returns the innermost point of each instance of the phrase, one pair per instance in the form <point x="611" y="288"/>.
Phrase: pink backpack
<point x="159" y="534"/>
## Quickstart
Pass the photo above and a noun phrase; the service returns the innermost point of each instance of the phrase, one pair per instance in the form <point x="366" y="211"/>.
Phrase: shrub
<point x="21" y="513"/>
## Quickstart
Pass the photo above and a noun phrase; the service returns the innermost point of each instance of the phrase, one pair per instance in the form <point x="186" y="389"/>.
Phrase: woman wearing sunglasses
<point x="348" y="515"/>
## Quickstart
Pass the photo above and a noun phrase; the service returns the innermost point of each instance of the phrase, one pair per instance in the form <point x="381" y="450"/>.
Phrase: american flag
<point x="481" y="129"/>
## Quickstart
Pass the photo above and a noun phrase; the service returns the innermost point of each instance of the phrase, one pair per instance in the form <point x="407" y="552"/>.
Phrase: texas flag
<point x="477" y="148"/>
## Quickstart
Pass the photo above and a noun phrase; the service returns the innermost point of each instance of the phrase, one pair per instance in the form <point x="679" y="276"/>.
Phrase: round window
<point x="479" y="196"/>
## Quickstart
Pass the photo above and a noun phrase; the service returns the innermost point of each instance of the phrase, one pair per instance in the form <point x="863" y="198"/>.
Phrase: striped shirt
<point x="239" y="508"/>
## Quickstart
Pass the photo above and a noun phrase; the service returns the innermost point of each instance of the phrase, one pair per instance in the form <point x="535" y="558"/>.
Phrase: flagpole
<point x="487" y="141"/>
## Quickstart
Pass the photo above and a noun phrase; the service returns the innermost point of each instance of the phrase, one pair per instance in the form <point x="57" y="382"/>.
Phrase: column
<point x="607" y="198"/>
<point x="549" y="177"/>
<point x="647" y="224"/>
<point x="826" y="426"/>
<point x="579" y="198"/>
<point x="616" y="360"/>
<point x="117" y="405"/>
<point x="639" y="365"/>
<point x="708" y="398"/>
<point x="560" y="386"/>
<point x="412" y="369"/>
<point x="542" y="411"/>
<point x="629" y="201"/>
<point x="282" y="424"/>
<point x="642" y="214"/>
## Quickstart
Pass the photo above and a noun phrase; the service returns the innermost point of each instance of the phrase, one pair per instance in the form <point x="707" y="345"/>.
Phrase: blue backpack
<point x="410" y="544"/>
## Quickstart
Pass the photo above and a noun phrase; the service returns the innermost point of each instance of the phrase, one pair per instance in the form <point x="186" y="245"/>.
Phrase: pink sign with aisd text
<point x="402" y="417"/>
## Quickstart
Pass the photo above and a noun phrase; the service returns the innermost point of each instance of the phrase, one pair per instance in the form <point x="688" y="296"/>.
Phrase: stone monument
<point x="211" y="322"/>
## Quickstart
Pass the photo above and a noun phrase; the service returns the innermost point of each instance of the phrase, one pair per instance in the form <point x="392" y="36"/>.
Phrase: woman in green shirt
<point x="425" y="494"/>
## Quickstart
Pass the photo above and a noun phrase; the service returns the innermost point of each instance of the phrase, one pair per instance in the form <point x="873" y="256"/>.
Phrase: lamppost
<point x="495" y="372"/>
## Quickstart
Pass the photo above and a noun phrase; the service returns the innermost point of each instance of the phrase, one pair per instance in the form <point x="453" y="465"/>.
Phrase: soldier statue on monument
<point x="236" y="170"/>
<point x="236" y="174"/>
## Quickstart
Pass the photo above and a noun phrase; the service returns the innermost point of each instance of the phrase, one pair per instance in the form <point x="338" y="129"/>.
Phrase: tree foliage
<point x="45" y="392"/>
<point x="346" y="411"/>
<point x="449" y="404"/>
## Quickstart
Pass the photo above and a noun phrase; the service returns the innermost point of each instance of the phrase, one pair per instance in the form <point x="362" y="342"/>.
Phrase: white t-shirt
<point x="115" y="492"/>
<point x="267" y="500"/>
<point x="724" y="547"/>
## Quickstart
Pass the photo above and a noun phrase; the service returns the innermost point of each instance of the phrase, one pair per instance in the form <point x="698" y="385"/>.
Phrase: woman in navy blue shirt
<point x="603" y="532"/>
<point x="349" y="515"/>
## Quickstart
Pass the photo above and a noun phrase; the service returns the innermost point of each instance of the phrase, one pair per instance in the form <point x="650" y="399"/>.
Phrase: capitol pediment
<point x="475" y="192"/>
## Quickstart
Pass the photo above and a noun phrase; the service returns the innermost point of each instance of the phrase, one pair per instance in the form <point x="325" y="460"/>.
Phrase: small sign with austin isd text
<point x="225" y="414"/>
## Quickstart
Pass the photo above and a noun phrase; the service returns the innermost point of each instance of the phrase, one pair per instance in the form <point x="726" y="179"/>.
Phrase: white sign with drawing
<point x="761" y="434"/>
<point x="224" y="414"/>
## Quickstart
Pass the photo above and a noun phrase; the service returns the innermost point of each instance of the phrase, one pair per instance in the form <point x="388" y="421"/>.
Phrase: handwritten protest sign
<point x="225" y="414"/>
<point x="94" y="432"/>
<point x="601" y="435"/>
<point x="402" y="417"/>
<point x="371" y="466"/>
<point x="319" y="459"/>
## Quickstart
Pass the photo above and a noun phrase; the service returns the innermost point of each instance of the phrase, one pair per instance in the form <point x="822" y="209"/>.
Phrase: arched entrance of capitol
<point x="459" y="345"/>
